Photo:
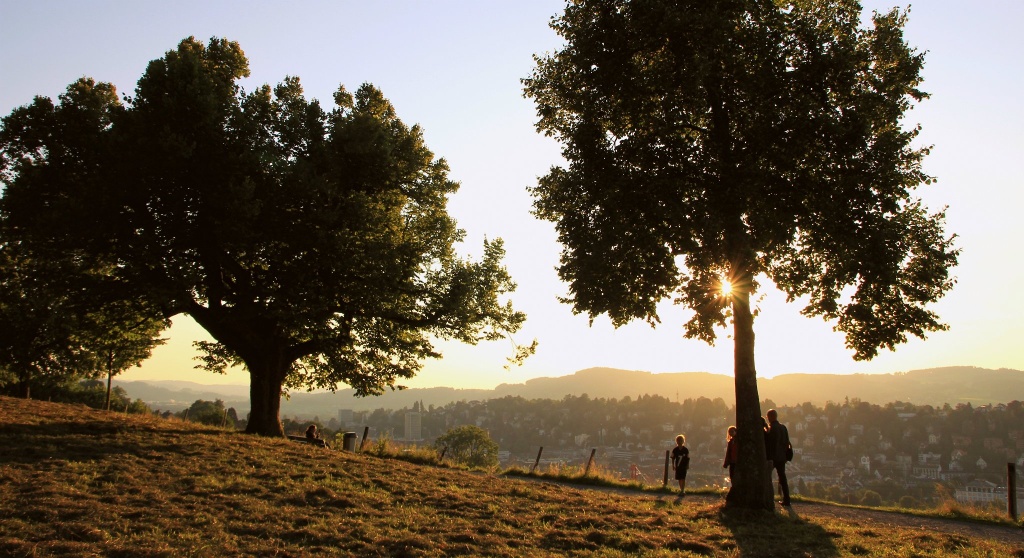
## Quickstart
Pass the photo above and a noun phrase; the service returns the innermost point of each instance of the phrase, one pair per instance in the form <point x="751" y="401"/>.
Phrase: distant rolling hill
<point x="936" y="386"/>
<point x="175" y="395"/>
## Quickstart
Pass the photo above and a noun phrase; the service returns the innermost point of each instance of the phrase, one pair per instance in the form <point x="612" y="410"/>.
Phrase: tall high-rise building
<point x="413" y="426"/>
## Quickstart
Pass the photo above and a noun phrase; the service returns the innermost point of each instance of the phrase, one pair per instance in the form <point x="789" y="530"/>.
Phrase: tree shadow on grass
<point x="765" y="534"/>
<point x="81" y="441"/>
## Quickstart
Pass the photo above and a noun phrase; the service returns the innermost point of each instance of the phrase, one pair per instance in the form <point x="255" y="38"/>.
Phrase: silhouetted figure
<point x="313" y="436"/>
<point x="732" y="452"/>
<point x="768" y="465"/>
<point x="779" y="451"/>
<point x="680" y="461"/>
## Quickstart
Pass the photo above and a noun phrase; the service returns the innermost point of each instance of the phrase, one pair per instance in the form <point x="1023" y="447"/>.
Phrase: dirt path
<point x="879" y="518"/>
<point x="875" y="519"/>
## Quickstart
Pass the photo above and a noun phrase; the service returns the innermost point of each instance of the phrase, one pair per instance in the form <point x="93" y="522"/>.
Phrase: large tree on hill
<point x="315" y="247"/>
<point x="717" y="143"/>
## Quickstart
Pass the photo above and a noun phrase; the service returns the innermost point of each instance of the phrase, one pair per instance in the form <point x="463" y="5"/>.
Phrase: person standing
<point x="769" y="449"/>
<point x="731" y="451"/>
<point x="680" y="461"/>
<point x="779" y="451"/>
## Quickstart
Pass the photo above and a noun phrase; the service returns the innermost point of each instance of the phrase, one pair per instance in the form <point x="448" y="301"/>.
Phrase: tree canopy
<point x="119" y="335"/>
<point x="314" y="246"/>
<point x="469" y="445"/>
<point x="721" y="143"/>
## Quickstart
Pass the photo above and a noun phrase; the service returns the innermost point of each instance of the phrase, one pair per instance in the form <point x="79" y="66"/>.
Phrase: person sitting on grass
<point x="313" y="436"/>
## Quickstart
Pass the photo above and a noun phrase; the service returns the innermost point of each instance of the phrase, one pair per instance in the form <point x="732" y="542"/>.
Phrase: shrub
<point x="870" y="498"/>
<point x="469" y="445"/>
<point x="909" y="502"/>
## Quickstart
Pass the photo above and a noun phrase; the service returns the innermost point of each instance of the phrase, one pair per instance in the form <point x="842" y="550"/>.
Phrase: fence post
<point x="665" y="482"/>
<point x="224" y="419"/>
<point x="537" y="462"/>
<point x="1011" y="490"/>
<point x="590" y="462"/>
<point x="366" y="432"/>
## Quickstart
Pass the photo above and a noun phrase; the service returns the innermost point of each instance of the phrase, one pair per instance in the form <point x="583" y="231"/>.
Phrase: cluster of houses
<point x="853" y="456"/>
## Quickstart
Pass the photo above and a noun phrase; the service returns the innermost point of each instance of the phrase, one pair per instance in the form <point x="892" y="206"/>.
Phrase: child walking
<point x="680" y="461"/>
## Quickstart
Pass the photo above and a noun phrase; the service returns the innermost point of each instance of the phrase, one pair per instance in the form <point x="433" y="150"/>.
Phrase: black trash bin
<point x="349" y="441"/>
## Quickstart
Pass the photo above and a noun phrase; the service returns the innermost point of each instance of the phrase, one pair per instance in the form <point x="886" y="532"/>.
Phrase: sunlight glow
<point x="726" y="287"/>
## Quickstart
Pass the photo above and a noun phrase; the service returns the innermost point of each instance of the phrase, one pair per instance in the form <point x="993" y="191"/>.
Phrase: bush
<point x="870" y="498"/>
<point x="211" y="413"/>
<point x="909" y="502"/>
<point x="382" y="447"/>
<point x="469" y="445"/>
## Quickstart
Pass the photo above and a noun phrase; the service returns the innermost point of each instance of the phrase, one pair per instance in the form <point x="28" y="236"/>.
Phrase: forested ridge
<point x="935" y="387"/>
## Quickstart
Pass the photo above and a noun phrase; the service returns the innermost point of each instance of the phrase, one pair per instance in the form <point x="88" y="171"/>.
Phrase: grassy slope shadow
<point x="765" y="534"/>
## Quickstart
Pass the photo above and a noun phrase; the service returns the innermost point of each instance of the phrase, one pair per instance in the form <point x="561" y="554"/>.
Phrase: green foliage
<point x="92" y="393"/>
<point x="469" y="445"/>
<point x="39" y="344"/>
<point x="313" y="245"/>
<point x="63" y="313"/>
<point x="382" y="446"/>
<point x="53" y="332"/>
<point x="909" y="502"/>
<point x="119" y="335"/>
<point x="870" y="498"/>
<point x="740" y="139"/>
<point x="211" y="413"/>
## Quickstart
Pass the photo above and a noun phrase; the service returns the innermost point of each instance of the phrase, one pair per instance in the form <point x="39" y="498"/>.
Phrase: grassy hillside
<point x="79" y="482"/>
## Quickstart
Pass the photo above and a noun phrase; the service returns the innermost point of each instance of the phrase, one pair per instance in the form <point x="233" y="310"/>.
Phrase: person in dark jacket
<point x="779" y="448"/>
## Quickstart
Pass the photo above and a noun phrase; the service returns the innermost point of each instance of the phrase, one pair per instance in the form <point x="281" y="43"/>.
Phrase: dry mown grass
<point x="79" y="482"/>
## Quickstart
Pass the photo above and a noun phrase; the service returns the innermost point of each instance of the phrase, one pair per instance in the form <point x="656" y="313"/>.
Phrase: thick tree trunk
<point x="265" y="356"/>
<point x="749" y="480"/>
<point x="266" y="379"/>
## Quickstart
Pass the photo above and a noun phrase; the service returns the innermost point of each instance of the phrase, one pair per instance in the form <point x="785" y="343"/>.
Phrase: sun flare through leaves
<point x="725" y="289"/>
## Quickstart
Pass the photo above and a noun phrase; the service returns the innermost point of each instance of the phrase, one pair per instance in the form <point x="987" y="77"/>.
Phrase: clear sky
<point x="453" y="66"/>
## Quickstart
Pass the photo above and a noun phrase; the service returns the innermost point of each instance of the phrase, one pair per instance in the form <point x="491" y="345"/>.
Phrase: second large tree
<point x="315" y="247"/>
<point x="712" y="142"/>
